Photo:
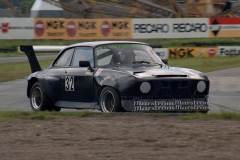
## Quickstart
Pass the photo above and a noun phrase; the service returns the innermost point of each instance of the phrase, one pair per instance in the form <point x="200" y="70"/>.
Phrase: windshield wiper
<point x="141" y="62"/>
<point x="158" y="64"/>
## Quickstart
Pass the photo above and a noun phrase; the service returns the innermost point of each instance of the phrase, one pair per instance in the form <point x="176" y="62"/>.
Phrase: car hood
<point x="127" y="75"/>
<point x="165" y="71"/>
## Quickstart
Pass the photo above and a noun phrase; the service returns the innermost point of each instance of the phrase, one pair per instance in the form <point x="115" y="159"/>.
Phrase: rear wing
<point x="33" y="61"/>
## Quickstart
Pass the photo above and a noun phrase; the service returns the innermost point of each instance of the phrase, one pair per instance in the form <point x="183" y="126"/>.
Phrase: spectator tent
<point x="42" y="9"/>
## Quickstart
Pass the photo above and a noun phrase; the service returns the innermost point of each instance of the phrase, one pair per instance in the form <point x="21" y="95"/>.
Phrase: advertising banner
<point x="115" y="28"/>
<point x="162" y="52"/>
<point x="144" y="28"/>
<point x="187" y="52"/>
<point x="50" y="28"/>
<point x="229" y="50"/>
<point x="82" y="29"/>
<point x="68" y="29"/>
<point x="16" y="28"/>
<point x="224" y="27"/>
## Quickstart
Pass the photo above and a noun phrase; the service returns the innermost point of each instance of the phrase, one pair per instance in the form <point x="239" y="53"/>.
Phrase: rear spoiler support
<point x="28" y="50"/>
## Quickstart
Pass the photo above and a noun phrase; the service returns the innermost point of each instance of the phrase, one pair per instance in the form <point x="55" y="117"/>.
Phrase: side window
<point x="83" y="54"/>
<point x="65" y="58"/>
<point x="104" y="57"/>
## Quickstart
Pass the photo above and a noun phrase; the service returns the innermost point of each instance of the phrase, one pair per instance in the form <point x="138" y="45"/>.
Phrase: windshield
<point x="126" y="54"/>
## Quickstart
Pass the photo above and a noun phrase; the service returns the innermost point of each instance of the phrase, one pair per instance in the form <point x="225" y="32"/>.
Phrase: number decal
<point x="69" y="83"/>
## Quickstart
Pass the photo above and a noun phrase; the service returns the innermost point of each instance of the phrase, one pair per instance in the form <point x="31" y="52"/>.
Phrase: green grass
<point x="221" y="115"/>
<point x="206" y="64"/>
<point x="11" y="71"/>
<point x="30" y="116"/>
<point x="17" y="43"/>
<point x="163" y="42"/>
<point x="16" y="54"/>
<point x="177" y="42"/>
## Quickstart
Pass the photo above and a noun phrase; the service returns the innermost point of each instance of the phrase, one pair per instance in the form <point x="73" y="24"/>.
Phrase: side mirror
<point x="165" y="61"/>
<point x="85" y="64"/>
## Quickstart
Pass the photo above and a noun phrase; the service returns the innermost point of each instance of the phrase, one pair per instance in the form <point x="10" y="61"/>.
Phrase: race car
<point x="115" y="76"/>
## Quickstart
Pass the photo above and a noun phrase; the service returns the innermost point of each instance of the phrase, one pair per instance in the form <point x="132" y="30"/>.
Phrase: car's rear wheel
<point x="39" y="100"/>
<point x="109" y="100"/>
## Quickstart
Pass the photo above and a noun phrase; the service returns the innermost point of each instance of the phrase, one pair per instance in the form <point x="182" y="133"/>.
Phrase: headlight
<point x="145" y="87"/>
<point x="201" y="86"/>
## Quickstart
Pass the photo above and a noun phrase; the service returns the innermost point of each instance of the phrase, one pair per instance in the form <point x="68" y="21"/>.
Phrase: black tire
<point x="56" y="109"/>
<point x="109" y="100"/>
<point x="39" y="100"/>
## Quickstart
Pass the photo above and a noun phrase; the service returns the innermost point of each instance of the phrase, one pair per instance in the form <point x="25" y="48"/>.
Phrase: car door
<point x="54" y="73"/>
<point x="77" y="82"/>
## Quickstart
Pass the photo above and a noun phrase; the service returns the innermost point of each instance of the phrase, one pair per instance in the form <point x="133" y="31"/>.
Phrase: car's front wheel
<point x="109" y="100"/>
<point x="39" y="100"/>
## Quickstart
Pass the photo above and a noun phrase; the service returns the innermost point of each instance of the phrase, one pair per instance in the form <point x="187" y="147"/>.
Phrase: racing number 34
<point x="69" y="83"/>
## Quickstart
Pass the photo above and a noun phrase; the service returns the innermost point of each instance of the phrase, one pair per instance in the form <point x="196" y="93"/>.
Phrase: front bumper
<point x="167" y="105"/>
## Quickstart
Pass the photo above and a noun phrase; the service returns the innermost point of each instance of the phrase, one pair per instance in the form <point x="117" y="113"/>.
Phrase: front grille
<point x="173" y="88"/>
<point x="166" y="88"/>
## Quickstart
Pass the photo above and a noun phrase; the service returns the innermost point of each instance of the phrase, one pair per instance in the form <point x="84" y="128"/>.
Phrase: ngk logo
<point x="4" y="27"/>
<point x="55" y="24"/>
<point x="87" y="25"/>
<point x="117" y="26"/>
<point x="120" y="25"/>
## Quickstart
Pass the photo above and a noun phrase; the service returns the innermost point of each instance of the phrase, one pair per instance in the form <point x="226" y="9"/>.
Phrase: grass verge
<point x="16" y="54"/>
<point x="207" y="64"/>
<point x="19" y="70"/>
<point x="221" y="115"/>
<point x="30" y="115"/>
<point x="12" y="71"/>
<point x="176" y="42"/>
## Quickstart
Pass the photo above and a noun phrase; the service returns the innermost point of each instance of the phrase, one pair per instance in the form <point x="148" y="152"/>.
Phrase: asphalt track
<point x="224" y="92"/>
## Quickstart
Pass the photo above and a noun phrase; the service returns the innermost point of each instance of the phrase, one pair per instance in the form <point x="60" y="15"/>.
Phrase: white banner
<point x="229" y="50"/>
<point x="16" y="28"/>
<point x="162" y="52"/>
<point x="144" y="28"/>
